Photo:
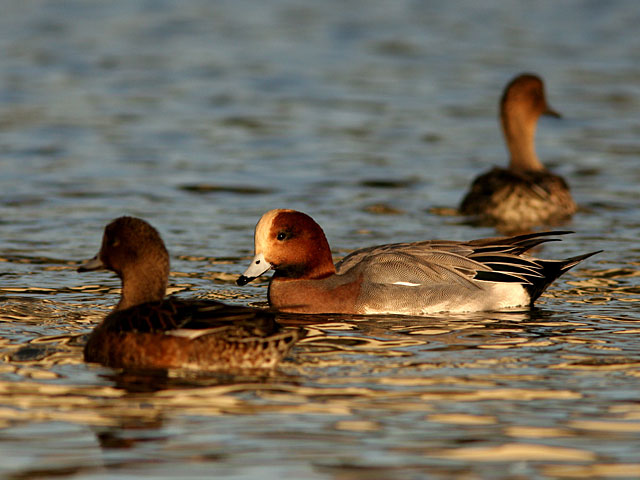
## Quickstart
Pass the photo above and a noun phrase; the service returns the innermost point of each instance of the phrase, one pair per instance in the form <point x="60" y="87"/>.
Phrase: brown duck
<point x="525" y="194"/>
<point x="148" y="331"/>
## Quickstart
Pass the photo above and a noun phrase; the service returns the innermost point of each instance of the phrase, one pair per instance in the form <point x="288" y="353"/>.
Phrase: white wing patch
<point x="191" y="333"/>
<point x="407" y="284"/>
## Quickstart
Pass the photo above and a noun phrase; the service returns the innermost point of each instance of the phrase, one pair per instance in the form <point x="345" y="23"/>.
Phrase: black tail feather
<point x="551" y="270"/>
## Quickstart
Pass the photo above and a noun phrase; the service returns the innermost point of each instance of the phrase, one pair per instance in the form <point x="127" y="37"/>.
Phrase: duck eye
<point x="281" y="236"/>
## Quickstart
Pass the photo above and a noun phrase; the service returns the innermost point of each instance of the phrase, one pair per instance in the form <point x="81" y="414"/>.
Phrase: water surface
<point x="371" y="117"/>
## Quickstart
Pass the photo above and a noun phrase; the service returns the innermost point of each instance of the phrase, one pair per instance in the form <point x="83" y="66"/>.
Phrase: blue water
<point x="372" y="117"/>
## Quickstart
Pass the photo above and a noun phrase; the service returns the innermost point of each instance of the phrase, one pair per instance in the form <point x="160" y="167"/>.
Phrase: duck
<point x="147" y="331"/>
<point x="525" y="194"/>
<point x="419" y="278"/>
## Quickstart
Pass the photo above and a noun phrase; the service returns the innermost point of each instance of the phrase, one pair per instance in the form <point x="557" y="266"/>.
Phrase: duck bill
<point x="550" y="112"/>
<point x="258" y="266"/>
<point x="94" y="264"/>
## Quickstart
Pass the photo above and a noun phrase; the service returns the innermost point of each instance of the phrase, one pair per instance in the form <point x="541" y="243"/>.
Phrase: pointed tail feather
<point x="569" y="263"/>
<point x="517" y="244"/>
<point x="551" y="270"/>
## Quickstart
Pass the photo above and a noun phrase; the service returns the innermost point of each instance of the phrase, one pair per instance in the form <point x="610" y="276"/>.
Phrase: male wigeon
<point x="525" y="194"/>
<point x="148" y="331"/>
<point x="400" y="278"/>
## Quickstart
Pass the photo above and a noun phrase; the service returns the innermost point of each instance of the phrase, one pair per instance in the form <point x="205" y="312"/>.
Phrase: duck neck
<point x="520" y="135"/>
<point x="321" y="265"/>
<point x="312" y="264"/>
<point x="322" y="269"/>
<point x="315" y="271"/>
<point x="142" y="285"/>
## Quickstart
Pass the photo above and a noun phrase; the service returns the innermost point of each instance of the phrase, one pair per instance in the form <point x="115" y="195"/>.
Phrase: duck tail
<point x="517" y="244"/>
<point x="551" y="270"/>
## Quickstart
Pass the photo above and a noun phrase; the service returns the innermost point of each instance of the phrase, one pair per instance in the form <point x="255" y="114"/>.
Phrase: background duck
<point x="147" y="331"/>
<point x="525" y="194"/>
<point x="402" y="278"/>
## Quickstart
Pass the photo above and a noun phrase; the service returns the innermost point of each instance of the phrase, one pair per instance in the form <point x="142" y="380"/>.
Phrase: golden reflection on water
<point x="331" y="344"/>
<point x="519" y="452"/>
<point x="598" y="470"/>
<point x="537" y="432"/>
<point x="459" y="373"/>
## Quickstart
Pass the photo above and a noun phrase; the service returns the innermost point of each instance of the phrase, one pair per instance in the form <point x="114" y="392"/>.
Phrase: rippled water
<point x="370" y="116"/>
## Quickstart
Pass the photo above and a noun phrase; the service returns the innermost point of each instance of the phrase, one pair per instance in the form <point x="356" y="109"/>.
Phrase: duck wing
<point x="455" y="264"/>
<point x="192" y="318"/>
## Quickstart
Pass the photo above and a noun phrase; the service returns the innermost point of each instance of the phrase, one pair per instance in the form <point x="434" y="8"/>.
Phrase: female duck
<point x="525" y="194"/>
<point x="403" y="278"/>
<point x="147" y="331"/>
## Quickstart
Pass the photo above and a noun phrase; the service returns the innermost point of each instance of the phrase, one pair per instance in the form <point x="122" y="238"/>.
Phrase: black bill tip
<point x="243" y="280"/>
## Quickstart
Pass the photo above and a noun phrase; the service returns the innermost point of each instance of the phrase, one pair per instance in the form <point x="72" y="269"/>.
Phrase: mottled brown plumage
<point x="525" y="194"/>
<point x="147" y="331"/>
